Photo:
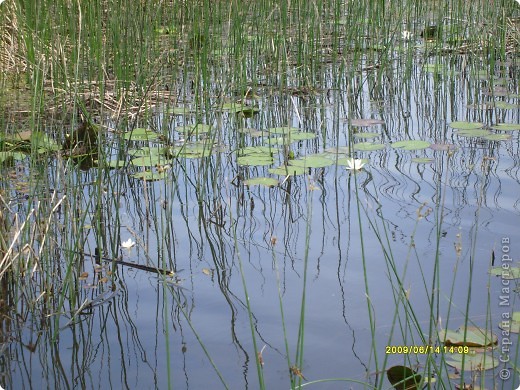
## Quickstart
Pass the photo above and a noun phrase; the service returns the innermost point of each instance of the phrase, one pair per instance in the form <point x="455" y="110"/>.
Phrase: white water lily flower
<point x="354" y="164"/>
<point x="406" y="35"/>
<point x="128" y="244"/>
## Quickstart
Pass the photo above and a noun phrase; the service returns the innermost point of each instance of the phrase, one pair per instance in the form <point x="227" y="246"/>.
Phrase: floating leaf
<point x="367" y="135"/>
<point x="252" y="132"/>
<point x="312" y="161"/>
<point x="252" y="160"/>
<point x="282" y="140"/>
<point x="403" y="378"/>
<point x="283" y="130"/>
<point x="475" y="337"/>
<point x="509" y="273"/>
<point x="410" y="145"/>
<point x="506" y="105"/>
<point x="290" y="170"/>
<point x="180" y="110"/>
<point x="366" y="122"/>
<point x="512" y="325"/>
<point x="239" y="108"/>
<point x="473" y="133"/>
<point x="462" y="125"/>
<point x="338" y="150"/>
<point x="434" y="68"/>
<point x="141" y="134"/>
<point x="422" y="160"/>
<point x="506" y="127"/>
<point x="256" y="150"/>
<point x="473" y="361"/>
<point x="497" y="137"/>
<point x="188" y="130"/>
<point x="302" y="135"/>
<point x="264" y="181"/>
<point x="115" y="164"/>
<point x="149" y="175"/>
<point x="368" y="146"/>
<point x="195" y="150"/>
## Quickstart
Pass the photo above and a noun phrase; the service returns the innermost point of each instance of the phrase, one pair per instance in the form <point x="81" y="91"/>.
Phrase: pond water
<point x="343" y="262"/>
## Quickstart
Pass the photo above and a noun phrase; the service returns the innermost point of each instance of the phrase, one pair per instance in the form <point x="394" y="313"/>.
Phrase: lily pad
<point x="475" y="337"/>
<point x="338" y="150"/>
<point x="149" y="161"/>
<point x="361" y="122"/>
<point x="497" y="137"/>
<point x="462" y="125"/>
<point x="193" y="129"/>
<point x="291" y="170"/>
<point x="473" y="133"/>
<point x="506" y="127"/>
<point x="149" y="175"/>
<point x="312" y="161"/>
<point x="141" y="134"/>
<point x="302" y="135"/>
<point x="368" y="146"/>
<point x="264" y="181"/>
<point x="508" y="273"/>
<point x="506" y="105"/>
<point x="473" y="361"/>
<point x="180" y="110"/>
<point x="513" y="325"/>
<point x="252" y="132"/>
<point x="194" y="150"/>
<point x="281" y="140"/>
<point x="283" y="130"/>
<point x="239" y="108"/>
<point x="252" y="160"/>
<point x="410" y="145"/>
<point x="256" y="151"/>
<point x="115" y="164"/>
<point x="367" y="135"/>
<point x="404" y="378"/>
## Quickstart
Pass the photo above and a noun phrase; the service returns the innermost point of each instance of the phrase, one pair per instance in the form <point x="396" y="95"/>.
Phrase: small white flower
<point x="354" y="164"/>
<point x="406" y="35"/>
<point x="128" y="244"/>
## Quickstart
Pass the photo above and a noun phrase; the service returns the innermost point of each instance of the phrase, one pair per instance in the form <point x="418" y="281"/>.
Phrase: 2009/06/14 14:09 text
<point x="425" y="349"/>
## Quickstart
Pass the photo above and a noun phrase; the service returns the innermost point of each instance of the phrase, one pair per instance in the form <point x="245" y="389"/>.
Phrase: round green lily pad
<point x="149" y="175"/>
<point x="312" y="161"/>
<point x="473" y="133"/>
<point x="410" y="145"/>
<point x="141" y="134"/>
<point x="473" y="361"/>
<point x="193" y="129"/>
<point x="506" y="105"/>
<point x="497" y="137"/>
<point x="302" y="135"/>
<point x="368" y="146"/>
<point x="462" y="125"/>
<point x="282" y="130"/>
<point x="264" y="181"/>
<point x="367" y="135"/>
<point x="255" y="160"/>
<point x="506" y="127"/>
<point x="291" y="170"/>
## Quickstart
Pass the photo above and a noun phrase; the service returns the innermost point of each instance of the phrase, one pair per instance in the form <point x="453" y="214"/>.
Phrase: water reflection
<point x="220" y="237"/>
